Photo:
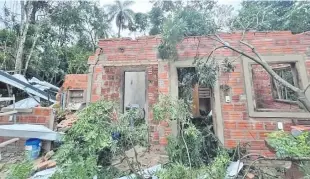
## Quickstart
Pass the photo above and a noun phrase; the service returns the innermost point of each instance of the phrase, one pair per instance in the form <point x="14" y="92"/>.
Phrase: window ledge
<point x="286" y="101"/>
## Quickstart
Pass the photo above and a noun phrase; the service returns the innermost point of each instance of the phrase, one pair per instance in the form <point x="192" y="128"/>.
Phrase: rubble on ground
<point x="67" y="122"/>
<point x="147" y="158"/>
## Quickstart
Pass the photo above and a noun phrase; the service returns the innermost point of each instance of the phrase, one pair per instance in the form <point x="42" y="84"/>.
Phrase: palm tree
<point x="122" y="14"/>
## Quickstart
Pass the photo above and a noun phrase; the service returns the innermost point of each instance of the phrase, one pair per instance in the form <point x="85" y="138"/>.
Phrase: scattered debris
<point x="67" y="123"/>
<point x="297" y="130"/>
<point x="147" y="158"/>
<point x="33" y="86"/>
<point x="147" y="173"/>
<point x="250" y="176"/>
<point x="48" y="155"/>
<point x="29" y="131"/>
<point x="44" y="174"/>
<point x="44" y="165"/>
<point x="234" y="168"/>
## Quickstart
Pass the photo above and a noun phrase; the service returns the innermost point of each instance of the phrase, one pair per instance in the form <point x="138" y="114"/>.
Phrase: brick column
<point x="163" y="129"/>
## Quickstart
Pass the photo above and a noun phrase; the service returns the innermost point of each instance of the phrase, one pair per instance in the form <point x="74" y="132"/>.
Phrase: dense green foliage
<point x="215" y="170"/>
<point x="194" y="146"/>
<point x="168" y="108"/>
<point x="286" y="145"/>
<point x="176" y="149"/>
<point x="183" y="23"/>
<point x="89" y="146"/>
<point x="273" y="15"/>
<point x="60" y="38"/>
<point x="20" y="170"/>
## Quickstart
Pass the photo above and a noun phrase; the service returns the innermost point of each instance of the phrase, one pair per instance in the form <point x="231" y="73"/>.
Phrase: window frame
<point x="294" y="71"/>
<point x="298" y="60"/>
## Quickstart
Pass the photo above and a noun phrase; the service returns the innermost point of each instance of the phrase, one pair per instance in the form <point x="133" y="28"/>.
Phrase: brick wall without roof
<point x="238" y="126"/>
<point x="39" y="115"/>
<point x="75" y="81"/>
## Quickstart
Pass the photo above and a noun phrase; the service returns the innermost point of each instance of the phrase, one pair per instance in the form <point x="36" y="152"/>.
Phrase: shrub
<point x="286" y="145"/>
<point x="215" y="170"/>
<point x="21" y="170"/>
<point x="90" y="144"/>
<point x="177" y="151"/>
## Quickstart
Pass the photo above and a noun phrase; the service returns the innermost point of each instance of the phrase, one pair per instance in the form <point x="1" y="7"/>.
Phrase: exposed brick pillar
<point x="163" y="77"/>
<point x="164" y="129"/>
<point x="96" y="83"/>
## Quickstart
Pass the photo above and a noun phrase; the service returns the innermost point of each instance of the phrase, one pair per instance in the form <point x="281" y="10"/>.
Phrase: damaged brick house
<point x="246" y="104"/>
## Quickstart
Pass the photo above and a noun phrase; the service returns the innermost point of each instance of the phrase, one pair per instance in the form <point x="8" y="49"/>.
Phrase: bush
<point x="177" y="151"/>
<point x="21" y="170"/>
<point x="215" y="170"/>
<point x="89" y="146"/>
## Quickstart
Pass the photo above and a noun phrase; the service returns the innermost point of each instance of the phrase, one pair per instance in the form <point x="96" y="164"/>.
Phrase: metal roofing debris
<point x="45" y="174"/>
<point x="21" y="78"/>
<point x="29" y="131"/>
<point x="19" y="81"/>
<point x="233" y="169"/>
<point x="27" y="103"/>
<point x="34" y="80"/>
<point x="147" y="173"/>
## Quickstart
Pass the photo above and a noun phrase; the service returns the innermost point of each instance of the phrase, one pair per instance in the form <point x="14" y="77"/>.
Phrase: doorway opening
<point x="191" y="91"/>
<point x="200" y="98"/>
<point x="135" y="95"/>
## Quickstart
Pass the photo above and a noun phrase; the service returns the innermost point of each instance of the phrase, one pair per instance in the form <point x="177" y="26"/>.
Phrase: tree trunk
<point x="31" y="51"/>
<point x="21" y="43"/>
<point x="305" y="103"/>
<point x="22" y="16"/>
<point x="119" y="30"/>
<point x="34" y="11"/>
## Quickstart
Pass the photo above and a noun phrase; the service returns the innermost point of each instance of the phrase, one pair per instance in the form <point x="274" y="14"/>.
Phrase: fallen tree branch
<point x="261" y="62"/>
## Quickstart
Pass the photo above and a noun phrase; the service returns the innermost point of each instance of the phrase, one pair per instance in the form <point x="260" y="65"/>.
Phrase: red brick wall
<point x="75" y="81"/>
<point x="125" y="50"/>
<point x="39" y="115"/>
<point x="238" y="126"/>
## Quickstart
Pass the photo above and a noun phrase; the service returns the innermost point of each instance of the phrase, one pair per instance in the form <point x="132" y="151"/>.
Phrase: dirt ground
<point x="10" y="156"/>
<point x="146" y="158"/>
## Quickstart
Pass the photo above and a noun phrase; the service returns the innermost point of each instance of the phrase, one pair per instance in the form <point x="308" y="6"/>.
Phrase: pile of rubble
<point x="45" y="162"/>
<point x="67" y="122"/>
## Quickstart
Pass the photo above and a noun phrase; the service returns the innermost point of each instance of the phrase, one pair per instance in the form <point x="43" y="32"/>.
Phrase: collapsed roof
<point x="36" y="89"/>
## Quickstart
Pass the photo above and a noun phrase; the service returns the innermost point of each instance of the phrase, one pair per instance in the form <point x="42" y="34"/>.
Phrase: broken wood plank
<point x="3" y="144"/>
<point x="270" y="163"/>
<point x="8" y="113"/>
<point x="7" y="99"/>
<point x="45" y="165"/>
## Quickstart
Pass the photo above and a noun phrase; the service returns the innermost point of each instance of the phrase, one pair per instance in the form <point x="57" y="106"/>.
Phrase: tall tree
<point x="273" y="15"/>
<point x="122" y="14"/>
<point x="161" y="11"/>
<point x="140" y="23"/>
<point x="25" y="14"/>
<point x="59" y="38"/>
